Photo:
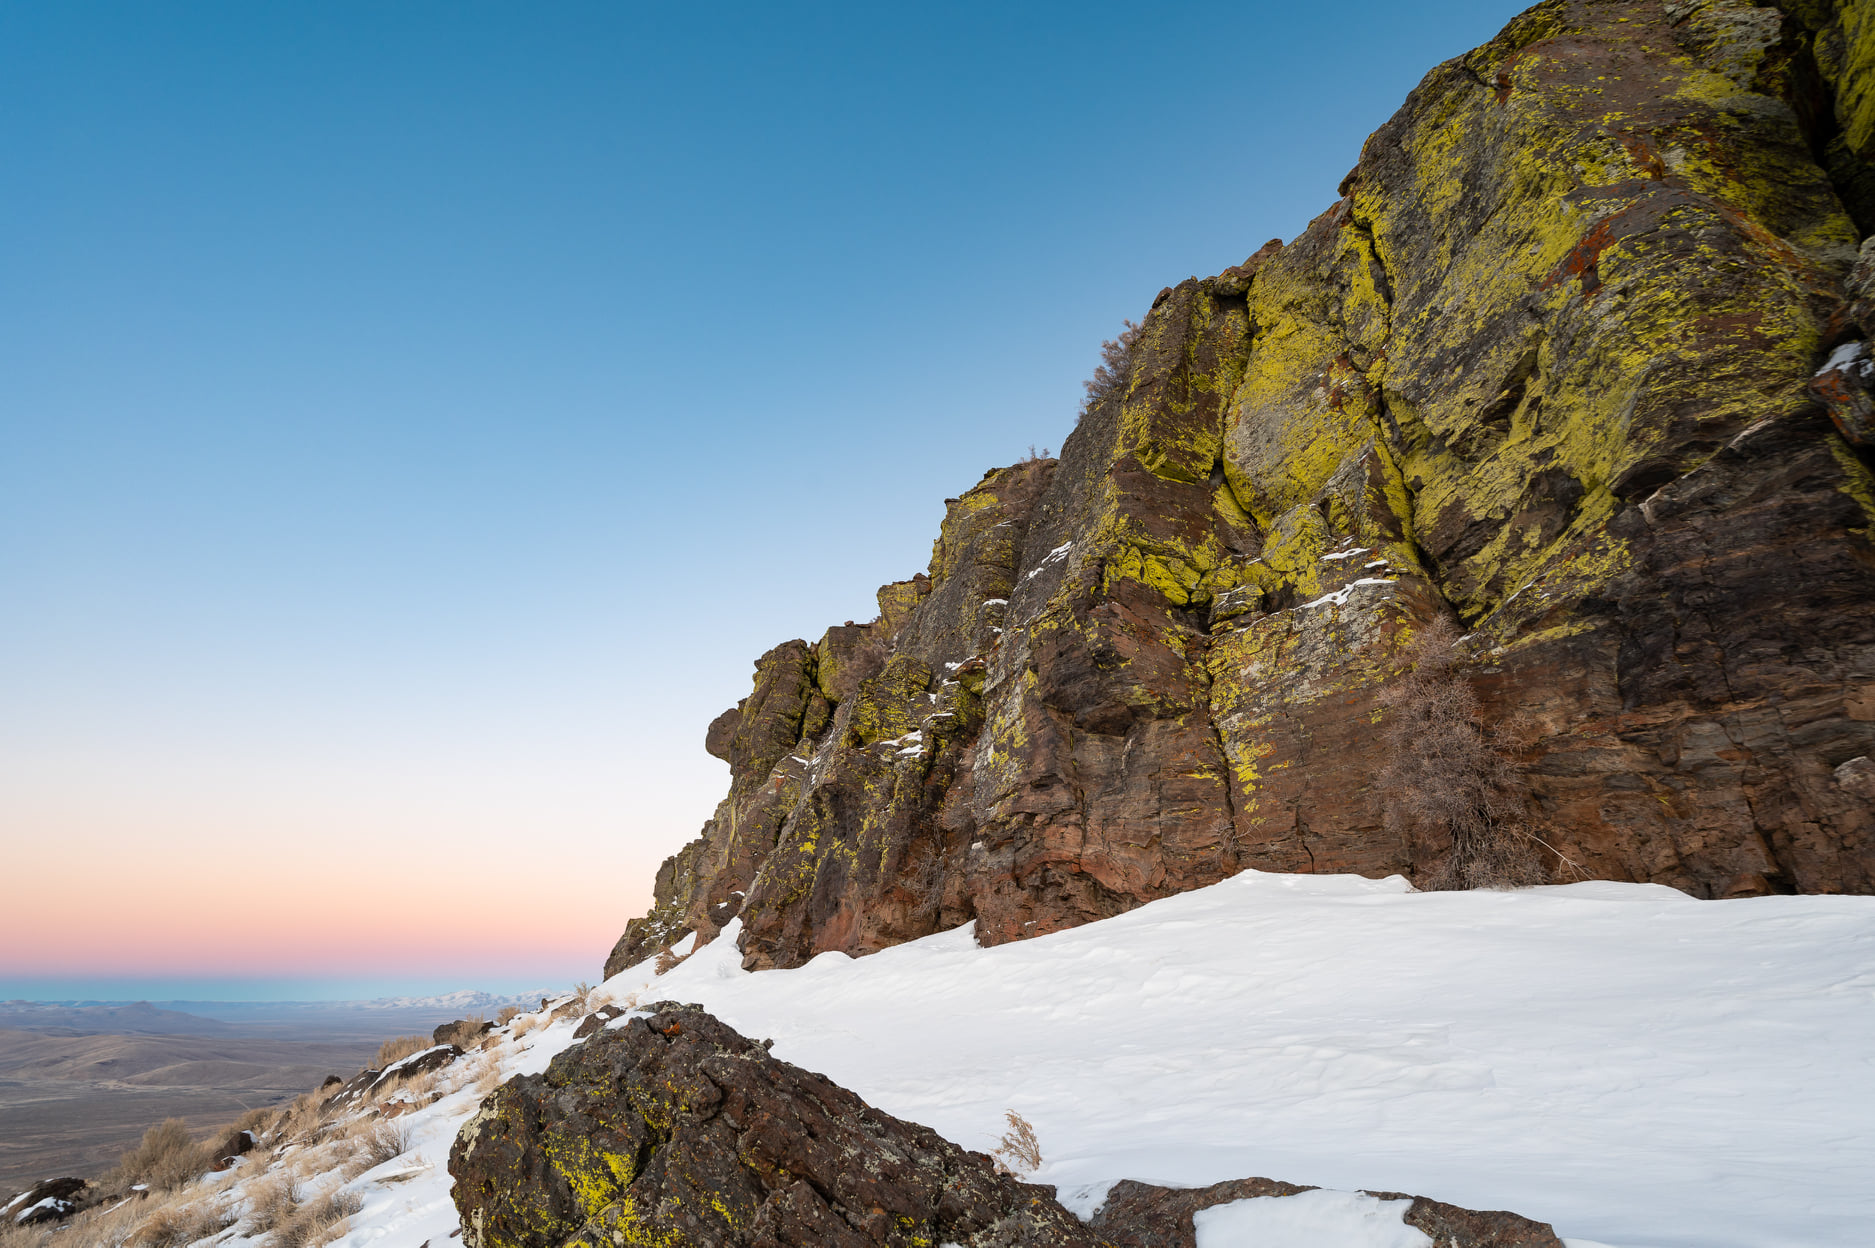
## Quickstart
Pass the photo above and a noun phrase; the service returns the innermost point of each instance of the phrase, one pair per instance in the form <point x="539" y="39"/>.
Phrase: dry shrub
<point x="669" y="960"/>
<point x="374" y="1143"/>
<point x="1449" y="778"/>
<point x="270" y="1202"/>
<point x="255" y="1120"/>
<point x="416" y="1088"/>
<point x="489" y="1078"/>
<point x="508" y="1014"/>
<point x="465" y="1033"/>
<point x="1019" y="1152"/>
<point x="301" y="1118"/>
<point x="397" y="1048"/>
<point x="318" y="1221"/>
<point x="1115" y="371"/>
<point x="526" y="1023"/>
<point x="173" y="1225"/>
<point x="167" y="1157"/>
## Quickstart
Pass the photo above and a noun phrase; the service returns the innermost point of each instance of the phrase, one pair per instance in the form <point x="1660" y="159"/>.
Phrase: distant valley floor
<point x="71" y="1104"/>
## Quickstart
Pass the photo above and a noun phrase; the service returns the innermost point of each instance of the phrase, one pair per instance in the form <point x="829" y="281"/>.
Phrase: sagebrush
<point x="167" y="1157"/>
<point x="397" y="1048"/>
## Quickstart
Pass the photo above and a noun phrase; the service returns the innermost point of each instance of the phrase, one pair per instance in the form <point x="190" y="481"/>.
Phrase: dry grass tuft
<point x="508" y="1014"/>
<point x="466" y="1033"/>
<point x="374" y="1143"/>
<point x="397" y="1048"/>
<point x="167" y="1157"/>
<point x="173" y="1225"/>
<point x="1019" y="1152"/>
<point x="256" y="1120"/>
<point x="318" y="1221"/>
<point x="270" y="1202"/>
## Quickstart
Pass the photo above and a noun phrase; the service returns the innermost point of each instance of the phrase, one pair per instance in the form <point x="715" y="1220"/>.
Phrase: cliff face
<point x="1547" y="365"/>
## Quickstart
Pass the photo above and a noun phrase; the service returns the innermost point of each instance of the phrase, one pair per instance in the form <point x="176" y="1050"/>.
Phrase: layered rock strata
<point x="1546" y="365"/>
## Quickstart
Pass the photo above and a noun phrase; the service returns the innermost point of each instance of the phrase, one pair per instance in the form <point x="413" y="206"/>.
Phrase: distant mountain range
<point x="194" y="1018"/>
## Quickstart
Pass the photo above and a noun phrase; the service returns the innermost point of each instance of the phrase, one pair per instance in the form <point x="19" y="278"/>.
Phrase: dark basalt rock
<point x="237" y="1145"/>
<point x="454" y="1033"/>
<point x="674" y="1129"/>
<point x="360" y="1086"/>
<point x="1143" y="1215"/>
<point x="47" y="1201"/>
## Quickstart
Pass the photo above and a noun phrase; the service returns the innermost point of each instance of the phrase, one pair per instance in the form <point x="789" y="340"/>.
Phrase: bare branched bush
<point x="1449" y="777"/>
<point x="167" y="1157"/>
<point x="397" y="1048"/>
<point x="1114" y="372"/>
<point x="1019" y="1152"/>
<point x="508" y="1014"/>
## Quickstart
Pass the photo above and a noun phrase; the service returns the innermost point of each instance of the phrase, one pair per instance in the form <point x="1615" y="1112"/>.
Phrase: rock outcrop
<point x="672" y="1129"/>
<point x="1546" y="366"/>
<point x="45" y="1202"/>
<point x="1144" y="1215"/>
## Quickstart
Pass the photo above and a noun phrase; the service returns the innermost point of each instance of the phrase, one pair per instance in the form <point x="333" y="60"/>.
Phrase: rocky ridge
<point x="1548" y="365"/>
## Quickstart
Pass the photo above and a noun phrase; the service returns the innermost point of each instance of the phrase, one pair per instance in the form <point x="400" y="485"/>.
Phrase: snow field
<point x="1630" y="1064"/>
<point x="1636" y="1067"/>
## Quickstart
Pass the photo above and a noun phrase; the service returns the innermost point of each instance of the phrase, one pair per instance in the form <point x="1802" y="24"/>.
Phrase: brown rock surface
<point x="1144" y="1215"/>
<point x="1546" y="365"/>
<point x="674" y="1129"/>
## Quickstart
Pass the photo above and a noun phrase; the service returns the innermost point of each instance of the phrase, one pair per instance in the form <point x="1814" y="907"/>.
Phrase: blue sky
<point x="415" y="419"/>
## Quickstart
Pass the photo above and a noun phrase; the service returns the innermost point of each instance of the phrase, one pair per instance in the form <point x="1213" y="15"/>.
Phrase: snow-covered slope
<point x="1623" y="1061"/>
<point x="1634" y="1066"/>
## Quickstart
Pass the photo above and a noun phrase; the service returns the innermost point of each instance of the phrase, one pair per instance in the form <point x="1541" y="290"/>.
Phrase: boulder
<point x="1144" y="1215"/>
<point x="461" y="1032"/>
<point x="236" y="1145"/>
<point x="675" y="1129"/>
<point x="360" y="1087"/>
<point x="48" y="1200"/>
<point x="596" y="1020"/>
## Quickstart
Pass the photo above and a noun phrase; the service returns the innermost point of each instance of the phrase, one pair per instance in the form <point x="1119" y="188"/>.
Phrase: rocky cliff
<point x="1548" y="366"/>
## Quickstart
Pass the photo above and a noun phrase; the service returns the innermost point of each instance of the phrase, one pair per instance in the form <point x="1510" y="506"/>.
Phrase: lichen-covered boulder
<point x="674" y="1130"/>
